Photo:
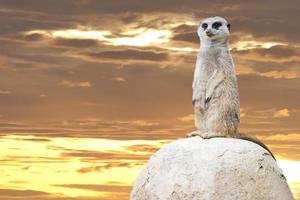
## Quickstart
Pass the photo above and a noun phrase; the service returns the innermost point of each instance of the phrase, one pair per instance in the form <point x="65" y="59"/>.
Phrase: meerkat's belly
<point x="223" y="110"/>
<point x="227" y="91"/>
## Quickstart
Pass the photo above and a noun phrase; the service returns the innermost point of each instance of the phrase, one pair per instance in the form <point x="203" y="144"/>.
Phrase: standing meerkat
<point x="215" y="89"/>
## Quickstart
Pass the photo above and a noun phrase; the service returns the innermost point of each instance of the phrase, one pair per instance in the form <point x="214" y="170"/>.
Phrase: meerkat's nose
<point x="209" y="33"/>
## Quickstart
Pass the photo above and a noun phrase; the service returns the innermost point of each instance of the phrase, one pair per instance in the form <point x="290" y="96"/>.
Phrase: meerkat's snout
<point x="209" y="33"/>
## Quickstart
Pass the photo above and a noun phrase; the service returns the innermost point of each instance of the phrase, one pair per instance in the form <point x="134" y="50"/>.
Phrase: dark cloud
<point x="143" y="148"/>
<point x="186" y="33"/>
<point x="191" y="37"/>
<point x="78" y="43"/>
<point x="266" y="21"/>
<point x="34" y="37"/>
<point x="280" y="51"/>
<point x="34" y="139"/>
<point x="32" y="159"/>
<point x="99" y="188"/>
<point x="130" y="17"/>
<point x="13" y="125"/>
<point x="20" y="193"/>
<point x="100" y="168"/>
<point x="97" y="128"/>
<point x="97" y="155"/>
<point x="184" y="28"/>
<point x="267" y="66"/>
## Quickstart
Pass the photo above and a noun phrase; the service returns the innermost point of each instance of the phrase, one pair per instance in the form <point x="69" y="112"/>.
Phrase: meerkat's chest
<point x="207" y="67"/>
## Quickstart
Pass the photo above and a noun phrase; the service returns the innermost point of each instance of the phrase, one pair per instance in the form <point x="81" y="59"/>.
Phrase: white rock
<point x="213" y="169"/>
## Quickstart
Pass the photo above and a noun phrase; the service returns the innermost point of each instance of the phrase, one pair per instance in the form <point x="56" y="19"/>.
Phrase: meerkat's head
<point x="214" y="30"/>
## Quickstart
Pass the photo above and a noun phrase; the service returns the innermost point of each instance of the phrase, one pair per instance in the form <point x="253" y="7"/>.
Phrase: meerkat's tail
<point x="244" y="136"/>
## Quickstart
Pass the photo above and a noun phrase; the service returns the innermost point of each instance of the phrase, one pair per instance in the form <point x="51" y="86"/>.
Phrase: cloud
<point x="142" y="148"/>
<point x="119" y="78"/>
<point x="21" y="193"/>
<point x="99" y="188"/>
<point x="269" y="70"/>
<point x="262" y="47"/>
<point x="32" y="159"/>
<point x="187" y="118"/>
<point x="34" y="37"/>
<point x="282" y="113"/>
<point x="81" y="33"/>
<point x="5" y="92"/>
<point x="99" y="168"/>
<point x="129" y="54"/>
<point x="142" y="38"/>
<point x="280" y="51"/>
<point x="134" y="37"/>
<point x="97" y="128"/>
<point x="266" y="51"/>
<point x="285" y="146"/>
<point x="281" y="74"/>
<point x="191" y="37"/>
<point x="143" y="123"/>
<point x="266" y="115"/>
<point x="71" y="84"/>
<point x="78" y="43"/>
<point x="292" y="137"/>
<point x="186" y="33"/>
<point x="34" y="139"/>
<point x="104" y="155"/>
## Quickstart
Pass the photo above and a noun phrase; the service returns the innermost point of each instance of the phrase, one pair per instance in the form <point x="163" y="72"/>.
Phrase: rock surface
<point x="213" y="169"/>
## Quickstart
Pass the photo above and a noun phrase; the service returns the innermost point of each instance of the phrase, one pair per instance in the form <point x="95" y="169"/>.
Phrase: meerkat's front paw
<point x="204" y="135"/>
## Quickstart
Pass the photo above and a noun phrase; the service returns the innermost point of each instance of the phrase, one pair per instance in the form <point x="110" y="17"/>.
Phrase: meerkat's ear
<point x="228" y="26"/>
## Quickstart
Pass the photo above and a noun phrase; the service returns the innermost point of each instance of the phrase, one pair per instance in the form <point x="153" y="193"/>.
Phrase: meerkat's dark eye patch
<point x="204" y="26"/>
<point x="216" y="25"/>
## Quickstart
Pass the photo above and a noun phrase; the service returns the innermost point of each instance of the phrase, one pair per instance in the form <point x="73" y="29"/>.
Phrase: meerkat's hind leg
<point x="194" y="133"/>
<point x="202" y="134"/>
<point x="199" y="119"/>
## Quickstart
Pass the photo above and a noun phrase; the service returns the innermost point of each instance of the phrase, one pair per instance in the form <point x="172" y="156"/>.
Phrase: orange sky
<point x="91" y="89"/>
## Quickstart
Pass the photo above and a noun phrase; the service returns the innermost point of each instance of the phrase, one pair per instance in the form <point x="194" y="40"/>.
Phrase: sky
<point x="90" y="89"/>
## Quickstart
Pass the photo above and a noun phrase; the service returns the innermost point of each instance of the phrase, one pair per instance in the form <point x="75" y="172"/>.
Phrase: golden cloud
<point x="280" y="74"/>
<point x="187" y="118"/>
<point x="282" y="113"/>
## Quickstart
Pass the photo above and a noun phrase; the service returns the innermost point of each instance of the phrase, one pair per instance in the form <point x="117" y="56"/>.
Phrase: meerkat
<point x="215" y="89"/>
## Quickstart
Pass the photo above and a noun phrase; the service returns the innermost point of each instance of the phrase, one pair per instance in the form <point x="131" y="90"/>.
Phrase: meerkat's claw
<point x="194" y="101"/>
<point x="207" y="99"/>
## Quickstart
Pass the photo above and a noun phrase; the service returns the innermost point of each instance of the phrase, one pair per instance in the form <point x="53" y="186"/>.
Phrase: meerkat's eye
<point x="216" y="25"/>
<point x="204" y="26"/>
